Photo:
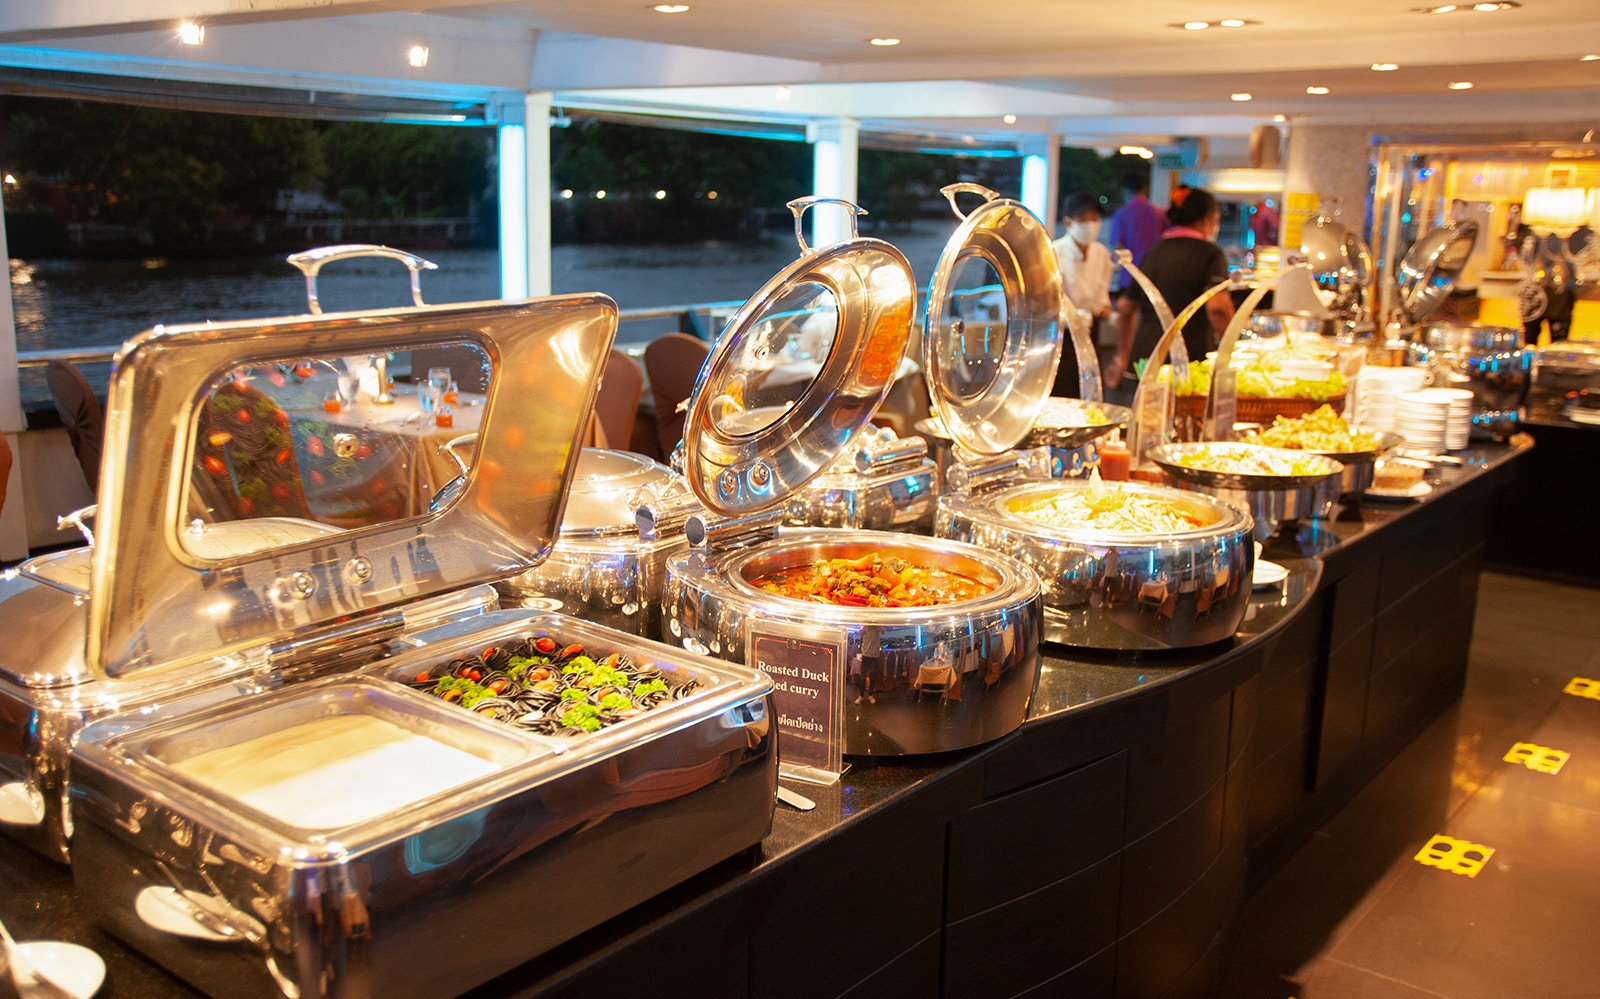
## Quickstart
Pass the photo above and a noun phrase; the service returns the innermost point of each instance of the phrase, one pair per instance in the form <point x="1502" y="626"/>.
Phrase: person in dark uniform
<point x="1182" y="265"/>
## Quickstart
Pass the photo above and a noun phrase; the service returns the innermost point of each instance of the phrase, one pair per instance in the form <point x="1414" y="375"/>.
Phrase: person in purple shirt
<point x="1137" y="224"/>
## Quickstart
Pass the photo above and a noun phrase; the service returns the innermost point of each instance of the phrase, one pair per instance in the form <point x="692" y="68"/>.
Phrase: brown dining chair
<point x="616" y="404"/>
<point x="672" y="363"/>
<point x="81" y="415"/>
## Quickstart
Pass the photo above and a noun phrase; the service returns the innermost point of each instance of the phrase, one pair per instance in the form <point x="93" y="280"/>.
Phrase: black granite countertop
<point x="37" y="899"/>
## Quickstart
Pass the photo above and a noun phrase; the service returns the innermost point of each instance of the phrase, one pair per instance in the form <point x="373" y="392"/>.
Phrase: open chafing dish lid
<point x="993" y="331"/>
<point x="798" y="371"/>
<point x="1429" y="269"/>
<point x="168" y="593"/>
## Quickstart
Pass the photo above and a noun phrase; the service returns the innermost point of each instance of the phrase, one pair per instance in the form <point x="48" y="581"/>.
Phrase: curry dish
<point x="873" y="580"/>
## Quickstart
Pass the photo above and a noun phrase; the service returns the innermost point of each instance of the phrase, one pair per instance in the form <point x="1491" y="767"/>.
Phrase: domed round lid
<point x="798" y="372"/>
<point x="993" y="331"/>
<point x="1429" y="269"/>
<point x="605" y="491"/>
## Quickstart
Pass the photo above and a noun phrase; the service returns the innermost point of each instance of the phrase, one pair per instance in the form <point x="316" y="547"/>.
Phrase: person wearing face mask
<point x="1182" y="264"/>
<point x="1085" y="276"/>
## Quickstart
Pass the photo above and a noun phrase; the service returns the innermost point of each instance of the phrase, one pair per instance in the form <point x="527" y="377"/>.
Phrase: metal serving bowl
<point x="1116" y="590"/>
<point x="898" y="698"/>
<point x="1270" y="499"/>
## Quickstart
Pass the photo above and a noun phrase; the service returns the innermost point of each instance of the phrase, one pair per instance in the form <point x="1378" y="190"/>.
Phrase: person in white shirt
<point x="1085" y="275"/>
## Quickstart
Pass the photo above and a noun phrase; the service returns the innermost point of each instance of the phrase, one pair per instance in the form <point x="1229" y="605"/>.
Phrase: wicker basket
<point x="1255" y="409"/>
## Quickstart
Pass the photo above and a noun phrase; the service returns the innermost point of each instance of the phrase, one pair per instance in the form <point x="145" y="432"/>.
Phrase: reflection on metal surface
<point x="1458" y="856"/>
<point x="1539" y="759"/>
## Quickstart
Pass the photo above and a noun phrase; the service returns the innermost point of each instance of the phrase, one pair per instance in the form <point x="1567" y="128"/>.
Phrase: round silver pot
<point x="1113" y="590"/>
<point x="1491" y="361"/>
<point x="897" y="697"/>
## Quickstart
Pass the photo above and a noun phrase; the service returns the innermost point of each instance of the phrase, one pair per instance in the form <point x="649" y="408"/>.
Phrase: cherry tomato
<point x="240" y="384"/>
<point x="316" y="478"/>
<point x="282" y="418"/>
<point x="424" y="677"/>
<point x="572" y="650"/>
<point x="276" y="377"/>
<point x="215" y="466"/>
<point x="243" y="415"/>
<point x="314" y="446"/>
<point x="280" y="492"/>
<point x="283" y="456"/>
<point x="474" y="675"/>
<point x="363" y="451"/>
<point x="247" y="506"/>
<point x="545" y="644"/>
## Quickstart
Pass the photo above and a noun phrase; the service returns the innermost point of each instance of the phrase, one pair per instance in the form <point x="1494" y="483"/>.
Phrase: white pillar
<point x="1041" y="176"/>
<point x="524" y="179"/>
<point x="834" y="148"/>
<point x="536" y="112"/>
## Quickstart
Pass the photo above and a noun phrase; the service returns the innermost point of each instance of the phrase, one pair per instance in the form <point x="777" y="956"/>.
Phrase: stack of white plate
<point x="1377" y="390"/>
<point x="1435" y="419"/>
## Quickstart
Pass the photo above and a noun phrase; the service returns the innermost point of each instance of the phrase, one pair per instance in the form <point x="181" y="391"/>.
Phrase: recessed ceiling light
<point x="1232" y="22"/>
<point x="417" y="56"/>
<point x="1240" y="97"/>
<point x="1591" y="57"/>
<point x="1460" y="84"/>
<point x="670" y="8"/>
<point x="1143" y="152"/>
<point x="1196" y="25"/>
<point x="1280" y="117"/>
<point x="1009" y="119"/>
<point x="884" y="41"/>
<point x="781" y="94"/>
<point x="1316" y="90"/>
<point x="191" y="32"/>
<point x="1385" y="67"/>
<point x="1504" y="5"/>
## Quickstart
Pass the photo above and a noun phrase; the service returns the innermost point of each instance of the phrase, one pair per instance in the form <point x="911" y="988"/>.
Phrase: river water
<point x="77" y="303"/>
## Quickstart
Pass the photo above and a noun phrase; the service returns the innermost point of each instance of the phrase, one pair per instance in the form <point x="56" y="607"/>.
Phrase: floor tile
<point x="1353" y="915"/>
<point x="1525" y="926"/>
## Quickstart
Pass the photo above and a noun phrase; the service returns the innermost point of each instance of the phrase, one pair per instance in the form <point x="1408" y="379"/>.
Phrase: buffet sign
<point x="806" y="666"/>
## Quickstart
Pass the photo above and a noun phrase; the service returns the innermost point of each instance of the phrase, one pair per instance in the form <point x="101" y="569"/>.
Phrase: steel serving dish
<point x="1271" y="500"/>
<point x="1559" y="371"/>
<point x="601" y="568"/>
<point x="883" y="482"/>
<point x="1492" y="362"/>
<point x="48" y="693"/>
<point x="918" y="679"/>
<point x="746" y="455"/>
<point x="303" y="827"/>
<point x="1114" y="589"/>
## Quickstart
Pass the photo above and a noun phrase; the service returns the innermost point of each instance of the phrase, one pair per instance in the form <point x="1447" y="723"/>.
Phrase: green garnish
<point x="582" y="716"/>
<point x="649" y="687"/>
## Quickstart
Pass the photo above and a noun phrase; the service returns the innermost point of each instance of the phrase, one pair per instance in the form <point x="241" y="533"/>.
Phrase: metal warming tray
<point x="1101" y="590"/>
<point x="48" y="692"/>
<point x="1272" y="498"/>
<point x="602" y="568"/>
<point x="307" y="827"/>
<point x="913" y="679"/>
<point x="1118" y="589"/>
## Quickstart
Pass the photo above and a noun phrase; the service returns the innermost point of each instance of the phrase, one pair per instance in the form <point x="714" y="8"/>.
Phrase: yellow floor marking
<point x="1580" y="686"/>
<point x="1457" y="856"/>
<point x="1539" y="759"/>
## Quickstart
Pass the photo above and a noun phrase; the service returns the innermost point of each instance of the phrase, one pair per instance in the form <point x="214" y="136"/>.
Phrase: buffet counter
<point x="1533" y="529"/>
<point x="1101" y="849"/>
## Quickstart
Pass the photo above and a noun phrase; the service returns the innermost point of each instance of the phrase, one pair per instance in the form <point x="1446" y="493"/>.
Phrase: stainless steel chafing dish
<point x="1101" y="590"/>
<point x="301" y="828"/>
<point x="1272" y="498"/>
<point x="1492" y="362"/>
<point x="914" y="679"/>
<point x="48" y="692"/>
<point x="601" y="568"/>
<point x="1113" y="589"/>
